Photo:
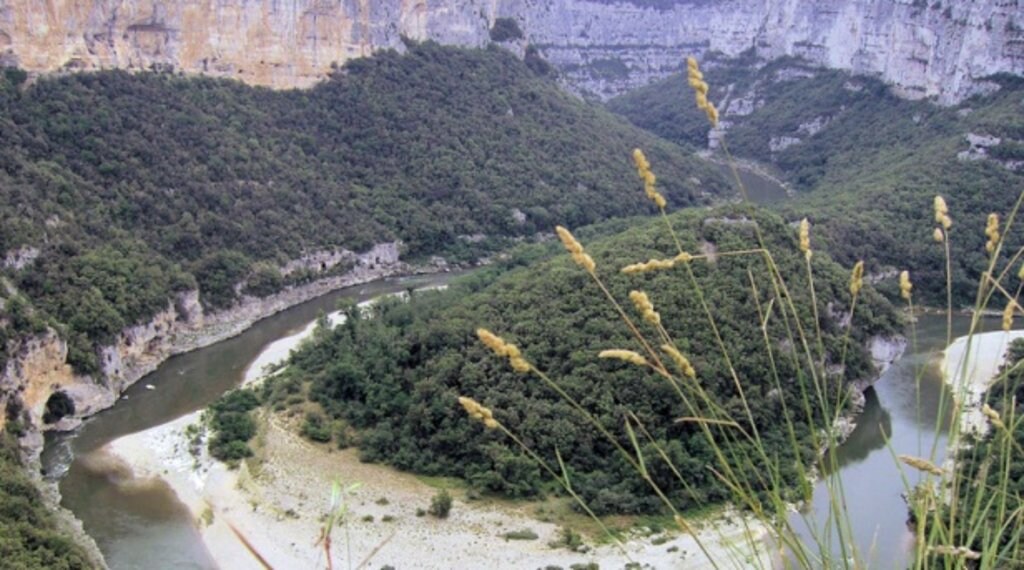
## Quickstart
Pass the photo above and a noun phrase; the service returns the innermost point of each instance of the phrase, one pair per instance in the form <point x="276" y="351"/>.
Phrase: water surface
<point x="141" y="524"/>
<point x="902" y="416"/>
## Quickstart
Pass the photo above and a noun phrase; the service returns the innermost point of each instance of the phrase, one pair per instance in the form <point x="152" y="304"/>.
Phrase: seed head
<point x="641" y="162"/>
<point x="942" y="213"/>
<point x="650" y="265"/>
<point x="712" y="113"/>
<point x="645" y="307"/>
<point x="681" y="361"/>
<point x="940" y="209"/>
<point x="643" y="169"/>
<point x="578" y="255"/>
<point x="992" y="232"/>
<point x="905" y="285"/>
<point x="805" y="237"/>
<point x="568" y="240"/>
<point x="938" y="235"/>
<point x="955" y="551"/>
<point x="921" y="464"/>
<point x="519" y="364"/>
<point x="492" y="341"/>
<point x="478" y="412"/>
<point x="700" y="90"/>
<point x="1008" y="311"/>
<point x="684" y="257"/>
<point x="993" y="416"/>
<point x="857" y="278"/>
<point x="624" y="355"/>
<point x="504" y="349"/>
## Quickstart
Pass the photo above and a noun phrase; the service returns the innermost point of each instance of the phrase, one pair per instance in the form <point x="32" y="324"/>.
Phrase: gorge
<point x="941" y="49"/>
<point x="157" y="198"/>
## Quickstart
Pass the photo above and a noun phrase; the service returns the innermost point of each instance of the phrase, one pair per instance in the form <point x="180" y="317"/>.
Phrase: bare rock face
<point x="37" y="370"/>
<point x="934" y="48"/>
<point x="277" y="43"/>
<point x="19" y="258"/>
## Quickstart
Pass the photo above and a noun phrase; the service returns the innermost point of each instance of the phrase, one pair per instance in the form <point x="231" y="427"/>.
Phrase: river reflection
<point x="903" y="415"/>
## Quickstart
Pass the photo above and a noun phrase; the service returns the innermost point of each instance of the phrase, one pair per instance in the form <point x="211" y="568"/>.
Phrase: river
<point x="143" y="525"/>
<point x="903" y="407"/>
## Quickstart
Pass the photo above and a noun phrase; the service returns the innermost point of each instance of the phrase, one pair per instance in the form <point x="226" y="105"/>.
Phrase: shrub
<point x="567" y="538"/>
<point x="441" y="504"/>
<point x="316" y="428"/>
<point x="505" y="29"/>
<point x="233" y="425"/>
<point x="523" y="534"/>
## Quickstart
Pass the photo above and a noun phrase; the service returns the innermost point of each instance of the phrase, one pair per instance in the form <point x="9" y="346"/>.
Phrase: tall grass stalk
<point x="950" y="531"/>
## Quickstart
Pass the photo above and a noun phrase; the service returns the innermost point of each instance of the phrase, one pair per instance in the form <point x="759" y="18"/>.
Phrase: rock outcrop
<point x="37" y="369"/>
<point x="933" y="48"/>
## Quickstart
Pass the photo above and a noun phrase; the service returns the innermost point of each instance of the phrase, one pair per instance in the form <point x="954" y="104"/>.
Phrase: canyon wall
<point x="37" y="368"/>
<point x="926" y="48"/>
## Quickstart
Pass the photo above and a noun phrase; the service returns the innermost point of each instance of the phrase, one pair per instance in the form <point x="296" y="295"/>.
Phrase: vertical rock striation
<point x="926" y="48"/>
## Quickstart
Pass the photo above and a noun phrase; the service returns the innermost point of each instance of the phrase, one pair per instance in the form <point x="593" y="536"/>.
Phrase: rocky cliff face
<point x="940" y="48"/>
<point x="37" y="370"/>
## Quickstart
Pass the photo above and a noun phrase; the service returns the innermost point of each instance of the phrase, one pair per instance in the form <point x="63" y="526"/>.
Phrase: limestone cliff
<point x="940" y="48"/>
<point x="37" y="368"/>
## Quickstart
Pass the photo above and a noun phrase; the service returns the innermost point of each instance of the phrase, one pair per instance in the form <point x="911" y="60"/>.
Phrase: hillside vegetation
<point x="29" y="538"/>
<point x="990" y="469"/>
<point x="390" y="383"/>
<point x="136" y="186"/>
<point x="866" y="163"/>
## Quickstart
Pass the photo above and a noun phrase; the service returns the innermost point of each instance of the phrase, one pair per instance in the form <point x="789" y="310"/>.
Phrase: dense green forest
<point x="868" y="162"/>
<point x="29" y="538"/>
<point x="390" y="383"/>
<point x="135" y="186"/>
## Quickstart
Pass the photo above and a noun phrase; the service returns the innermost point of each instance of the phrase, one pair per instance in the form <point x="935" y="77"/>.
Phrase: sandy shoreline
<point x="278" y="507"/>
<point x="971" y="373"/>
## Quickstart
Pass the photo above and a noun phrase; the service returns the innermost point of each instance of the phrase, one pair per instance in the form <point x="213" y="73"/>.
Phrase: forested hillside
<point x="390" y="383"/>
<point x="29" y="536"/>
<point x="133" y="186"/>
<point x="865" y="163"/>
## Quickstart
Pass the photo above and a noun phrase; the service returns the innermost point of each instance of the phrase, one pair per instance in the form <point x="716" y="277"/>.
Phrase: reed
<point x="963" y="516"/>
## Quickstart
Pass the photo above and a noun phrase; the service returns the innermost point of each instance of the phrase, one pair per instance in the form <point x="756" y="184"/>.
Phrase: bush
<point x="505" y="29"/>
<point x="441" y="504"/>
<point x="316" y="428"/>
<point x="28" y="532"/>
<point x="523" y="534"/>
<point x="233" y="425"/>
<point x="217" y="275"/>
<point x="567" y="538"/>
